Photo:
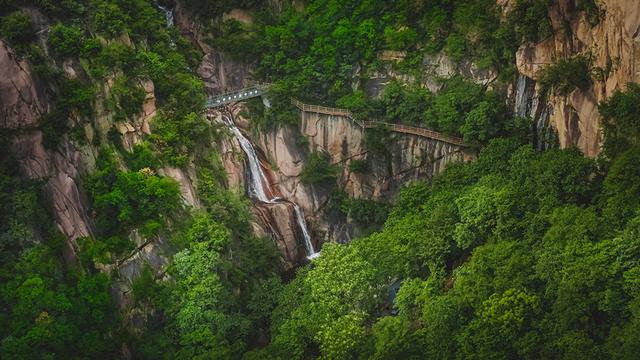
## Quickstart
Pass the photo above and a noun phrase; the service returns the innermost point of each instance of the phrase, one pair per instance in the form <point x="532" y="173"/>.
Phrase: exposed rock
<point x="434" y="68"/>
<point x="277" y="221"/>
<point x="22" y="101"/>
<point x="612" y="43"/>
<point x="134" y="130"/>
<point x="21" y="107"/>
<point x="186" y="182"/>
<point x="412" y="158"/>
<point x="219" y="73"/>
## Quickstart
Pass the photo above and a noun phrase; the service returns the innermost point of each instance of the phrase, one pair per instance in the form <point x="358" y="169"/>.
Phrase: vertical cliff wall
<point x="23" y="102"/>
<point x="613" y="44"/>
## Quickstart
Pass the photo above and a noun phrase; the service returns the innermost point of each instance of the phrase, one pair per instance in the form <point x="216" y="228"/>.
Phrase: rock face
<point x="412" y="157"/>
<point x="22" y="101"/>
<point x="218" y="71"/>
<point x="21" y="106"/>
<point x="613" y="43"/>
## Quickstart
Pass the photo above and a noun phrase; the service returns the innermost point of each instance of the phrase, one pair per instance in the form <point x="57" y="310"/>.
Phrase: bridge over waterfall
<point x="404" y="129"/>
<point x="235" y="96"/>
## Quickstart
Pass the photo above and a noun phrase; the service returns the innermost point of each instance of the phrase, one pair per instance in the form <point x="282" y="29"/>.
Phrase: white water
<point x="529" y="105"/>
<point x="307" y="239"/>
<point x="256" y="176"/>
<point x="256" y="182"/>
<point x="168" y="14"/>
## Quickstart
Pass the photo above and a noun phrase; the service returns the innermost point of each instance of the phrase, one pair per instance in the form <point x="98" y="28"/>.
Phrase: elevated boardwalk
<point x="404" y="129"/>
<point x="235" y="96"/>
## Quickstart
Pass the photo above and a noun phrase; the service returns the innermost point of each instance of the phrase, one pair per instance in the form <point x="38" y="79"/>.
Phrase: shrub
<point x="130" y="96"/>
<point x="17" y="29"/>
<point x="621" y="120"/>
<point x="360" y="105"/>
<point x="109" y="19"/>
<point x="66" y="40"/>
<point x="566" y="75"/>
<point x="142" y="157"/>
<point x="318" y="169"/>
<point x="451" y="105"/>
<point x="123" y="199"/>
<point x="399" y="39"/>
<point x="366" y="213"/>
<point x="405" y="103"/>
<point x="530" y="20"/>
<point x="358" y="166"/>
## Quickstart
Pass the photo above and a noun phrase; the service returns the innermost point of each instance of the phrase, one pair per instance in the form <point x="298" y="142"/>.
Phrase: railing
<point x="246" y="93"/>
<point x="413" y="130"/>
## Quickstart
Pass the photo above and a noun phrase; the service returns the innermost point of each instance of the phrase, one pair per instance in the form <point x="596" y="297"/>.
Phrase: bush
<point x="403" y="103"/>
<point x="566" y="75"/>
<point x="452" y="104"/>
<point x="366" y="213"/>
<point x="109" y="19"/>
<point x="142" y="157"/>
<point x="621" y="120"/>
<point x="358" y="166"/>
<point x="360" y="105"/>
<point x="130" y="97"/>
<point x="530" y="19"/>
<point x="66" y="40"/>
<point x="318" y="169"/>
<point x="17" y="29"/>
<point x="122" y="199"/>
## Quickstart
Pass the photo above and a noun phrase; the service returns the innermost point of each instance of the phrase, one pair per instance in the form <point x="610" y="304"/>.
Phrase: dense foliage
<point x="315" y="53"/>
<point x="519" y="254"/>
<point x="48" y="309"/>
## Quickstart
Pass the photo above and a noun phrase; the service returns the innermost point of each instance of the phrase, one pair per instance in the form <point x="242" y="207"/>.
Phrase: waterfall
<point x="528" y="105"/>
<point x="524" y="97"/>
<point x="305" y="233"/>
<point x="257" y="180"/>
<point x="168" y="14"/>
<point x="256" y="175"/>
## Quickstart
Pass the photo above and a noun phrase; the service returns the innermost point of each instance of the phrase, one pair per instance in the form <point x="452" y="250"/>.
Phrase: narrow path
<point x="259" y="90"/>
<point x="404" y="129"/>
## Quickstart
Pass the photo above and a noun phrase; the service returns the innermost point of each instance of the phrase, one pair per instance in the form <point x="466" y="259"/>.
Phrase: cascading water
<point x="257" y="178"/>
<point x="168" y="14"/>
<point x="528" y="105"/>
<point x="256" y="175"/>
<point x="305" y="233"/>
<point x="256" y="187"/>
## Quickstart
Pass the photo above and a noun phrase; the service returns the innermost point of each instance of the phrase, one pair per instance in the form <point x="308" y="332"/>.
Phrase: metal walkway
<point x="231" y="97"/>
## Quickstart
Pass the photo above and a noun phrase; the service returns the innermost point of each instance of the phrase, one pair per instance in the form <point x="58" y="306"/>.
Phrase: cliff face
<point x="23" y="103"/>
<point x="613" y="43"/>
<point x="283" y="158"/>
<point x="218" y="71"/>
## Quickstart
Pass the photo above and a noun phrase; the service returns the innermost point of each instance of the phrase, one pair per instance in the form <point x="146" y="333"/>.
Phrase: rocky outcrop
<point x="219" y="72"/>
<point x="614" y="45"/>
<point x="412" y="158"/>
<point x="435" y="67"/>
<point x="21" y="107"/>
<point x="23" y="102"/>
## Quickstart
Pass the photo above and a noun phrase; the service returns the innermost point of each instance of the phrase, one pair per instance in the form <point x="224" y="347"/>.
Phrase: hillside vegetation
<point x="519" y="254"/>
